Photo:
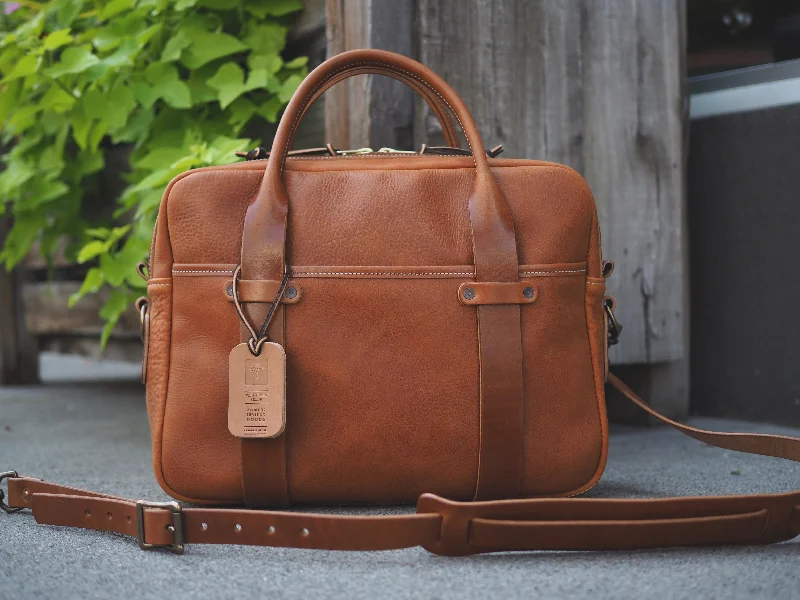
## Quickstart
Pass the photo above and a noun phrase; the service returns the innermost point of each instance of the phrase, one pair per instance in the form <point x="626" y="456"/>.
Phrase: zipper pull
<point x="356" y="151"/>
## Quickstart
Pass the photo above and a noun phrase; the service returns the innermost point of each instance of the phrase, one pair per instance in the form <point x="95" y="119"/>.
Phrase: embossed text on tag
<point x="257" y="391"/>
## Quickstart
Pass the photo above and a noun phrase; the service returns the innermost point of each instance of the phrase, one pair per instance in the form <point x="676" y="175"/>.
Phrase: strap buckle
<point x="6" y="508"/>
<point x="176" y="528"/>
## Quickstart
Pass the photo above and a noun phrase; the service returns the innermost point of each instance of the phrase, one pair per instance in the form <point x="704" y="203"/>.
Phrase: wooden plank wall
<point x="597" y="85"/>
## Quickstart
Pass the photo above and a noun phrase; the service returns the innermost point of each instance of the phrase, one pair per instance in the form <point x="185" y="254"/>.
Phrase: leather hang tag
<point x="257" y="391"/>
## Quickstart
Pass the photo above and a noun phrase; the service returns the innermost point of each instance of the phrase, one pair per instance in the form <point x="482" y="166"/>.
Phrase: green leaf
<point x="80" y="126"/>
<point x="75" y="59"/>
<point x="219" y="4"/>
<point x="160" y="157"/>
<point x="175" y="46"/>
<point x="57" y="39"/>
<point x="125" y="54"/>
<point x="276" y="8"/>
<point x="67" y="11"/>
<point x="27" y="65"/>
<point x="207" y="46"/>
<point x="136" y="129"/>
<point x="98" y="232"/>
<point x="160" y="73"/>
<point x="95" y="103"/>
<point x="144" y="94"/>
<point x="300" y="61"/>
<point x="176" y="94"/>
<point x="289" y="87"/>
<point x="114" y="8"/>
<point x="229" y="82"/>
<point x="43" y="191"/>
<point x="92" y="250"/>
<point x="121" y="103"/>
<point x="269" y="110"/>
<point x="55" y="98"/>
<point x="27" y="225"/>
<point x="92" y="283"/>
<point x="271" y="63"/>
<point x="266" y="39"/>
<point x="184" y="4"/>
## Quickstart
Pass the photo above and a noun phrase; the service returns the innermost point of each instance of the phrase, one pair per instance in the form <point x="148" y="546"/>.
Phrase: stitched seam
<point x="408" y="274"/>
<point x="157" y="284"/>
<point x="556" y="271"/>
<point x="351" y="66"/>
<point x="199" y="271"/>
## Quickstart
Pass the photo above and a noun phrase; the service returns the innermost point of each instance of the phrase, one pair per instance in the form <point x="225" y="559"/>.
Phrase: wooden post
<point x="597" y="85"/>
<point x="369" y="110"/>
<point x="19" y="358"/>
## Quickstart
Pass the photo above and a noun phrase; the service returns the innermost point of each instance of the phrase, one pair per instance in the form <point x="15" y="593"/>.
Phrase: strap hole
<point x="271" y="530"/>
<point x="238" y="528"/>
<point x="305" y="532"/>
<point x="204" y="526"/>
<point x="87" y="512"/>
<point x="109" y="516"/>
<point x="128" y="518"/>
<point x="26" y="493"/>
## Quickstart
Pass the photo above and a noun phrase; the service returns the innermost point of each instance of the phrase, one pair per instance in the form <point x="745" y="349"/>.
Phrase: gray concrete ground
<point x="95" y="435"/>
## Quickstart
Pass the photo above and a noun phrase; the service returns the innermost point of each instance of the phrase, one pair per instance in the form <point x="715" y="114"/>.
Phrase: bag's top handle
<point x="437" y="105"/>
<point x="264" y="236"/>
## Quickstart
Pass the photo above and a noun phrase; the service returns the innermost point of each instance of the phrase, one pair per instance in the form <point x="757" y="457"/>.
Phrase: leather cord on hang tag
<point x="256" y="340"/>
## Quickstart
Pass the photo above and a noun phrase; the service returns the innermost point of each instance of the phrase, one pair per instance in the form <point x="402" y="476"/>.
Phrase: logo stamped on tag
<point x="255" y="372"/>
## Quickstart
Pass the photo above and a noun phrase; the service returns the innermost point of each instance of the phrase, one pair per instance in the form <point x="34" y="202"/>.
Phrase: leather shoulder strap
<point x="447" y="527"/>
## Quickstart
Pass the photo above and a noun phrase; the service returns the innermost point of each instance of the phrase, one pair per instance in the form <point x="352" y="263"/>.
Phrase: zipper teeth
<point x="366" y="154"/>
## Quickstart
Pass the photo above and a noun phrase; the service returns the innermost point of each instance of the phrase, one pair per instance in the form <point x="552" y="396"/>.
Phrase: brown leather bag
<point x="368" y="328"/>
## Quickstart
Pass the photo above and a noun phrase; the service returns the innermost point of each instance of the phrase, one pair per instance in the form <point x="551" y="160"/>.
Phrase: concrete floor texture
<point x="94" y="435"/>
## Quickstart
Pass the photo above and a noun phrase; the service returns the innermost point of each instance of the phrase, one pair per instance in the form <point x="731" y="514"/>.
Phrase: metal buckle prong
<point x="6" y="508"/>
<point x="176" y="528"/>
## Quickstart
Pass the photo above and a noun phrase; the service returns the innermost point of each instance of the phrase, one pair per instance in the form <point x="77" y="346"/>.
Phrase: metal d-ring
<point x="6" y="508"/>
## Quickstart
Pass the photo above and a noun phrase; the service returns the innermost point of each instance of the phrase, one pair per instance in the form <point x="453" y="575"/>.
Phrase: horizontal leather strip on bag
<point x="492" y="292"/>
<point x="263" y="291"/>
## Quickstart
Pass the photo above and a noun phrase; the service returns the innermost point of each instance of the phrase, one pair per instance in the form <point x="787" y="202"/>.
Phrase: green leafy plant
<point x="166" y="85"/>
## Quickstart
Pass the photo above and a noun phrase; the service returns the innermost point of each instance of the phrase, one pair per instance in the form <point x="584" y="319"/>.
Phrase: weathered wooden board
<point x="19" y="362"/>
<point x="370" y="110"/>
<point x="47" y="312"/>
<point x="595" y="84"/>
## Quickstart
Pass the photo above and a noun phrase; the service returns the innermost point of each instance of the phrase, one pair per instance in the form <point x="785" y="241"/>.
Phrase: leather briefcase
<point x="380" y="327"/>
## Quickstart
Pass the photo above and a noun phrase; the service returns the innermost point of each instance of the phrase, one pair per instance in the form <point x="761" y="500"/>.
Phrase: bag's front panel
<point x="383" y="373"/>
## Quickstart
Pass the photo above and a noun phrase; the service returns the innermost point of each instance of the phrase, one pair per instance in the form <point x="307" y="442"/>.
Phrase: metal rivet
<point x="26" y="493"/>
<point x="238" y="527"/>
<point x="109" y="516"/>
<point x="469" y="293"/>
<point x="270" y="530"/>
<point x="229" y="290"/>
<point x="170" y="528"/>
<point x="291" y="293"/>
<point x="203" y="526"/>
<point x="87" y="512"/>
<point x="305" y="532"/>
<point x="528" y="292"/>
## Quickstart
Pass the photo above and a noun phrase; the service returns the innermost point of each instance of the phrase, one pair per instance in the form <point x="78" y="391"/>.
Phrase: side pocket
<point x="157" y="357"/>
